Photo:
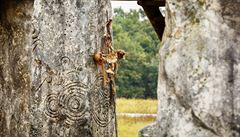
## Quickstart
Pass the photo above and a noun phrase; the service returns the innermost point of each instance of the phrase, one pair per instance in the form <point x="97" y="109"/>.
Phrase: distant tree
<point x="137" y="75"/>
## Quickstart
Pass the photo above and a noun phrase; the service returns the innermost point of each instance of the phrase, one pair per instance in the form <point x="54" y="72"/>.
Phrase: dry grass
<point x="148" y="106"/>
<point x="129" y="126"/>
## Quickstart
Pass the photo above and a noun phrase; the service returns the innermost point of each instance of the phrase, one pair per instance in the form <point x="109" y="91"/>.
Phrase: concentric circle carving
<point x="73" y="100"/>
<point x="52" y="108"/>
<point x="70" y="103"/>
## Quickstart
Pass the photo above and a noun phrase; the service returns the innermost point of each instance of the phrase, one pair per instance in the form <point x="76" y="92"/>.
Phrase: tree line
<point x="137" y="74"/>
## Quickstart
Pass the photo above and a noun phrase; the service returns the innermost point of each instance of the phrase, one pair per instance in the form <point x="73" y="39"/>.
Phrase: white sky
<point x="126" y="5"/>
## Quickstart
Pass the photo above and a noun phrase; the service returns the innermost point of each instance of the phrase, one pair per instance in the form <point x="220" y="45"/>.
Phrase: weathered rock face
<point x="149" y="131"/>
<point x="49" y="83"/>
<point x="15" y="27"/>
<point x="199" y="78"/>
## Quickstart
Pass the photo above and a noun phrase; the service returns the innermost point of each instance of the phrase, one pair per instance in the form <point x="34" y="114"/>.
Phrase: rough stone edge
<point x="148" y="131"/>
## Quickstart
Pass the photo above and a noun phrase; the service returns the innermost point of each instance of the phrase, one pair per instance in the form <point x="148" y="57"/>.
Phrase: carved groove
<point x="101" y="104"/>
<point x="52" y="109"/>
<point x="71" y="103"/>
<point x="73" y="100"/>
<point x="36" y="42"/>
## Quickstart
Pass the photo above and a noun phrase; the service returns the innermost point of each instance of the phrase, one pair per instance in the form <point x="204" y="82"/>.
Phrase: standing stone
<point x="49" y="83"/>
<point x="199" y="77"/>
<point x="15" y="28"/>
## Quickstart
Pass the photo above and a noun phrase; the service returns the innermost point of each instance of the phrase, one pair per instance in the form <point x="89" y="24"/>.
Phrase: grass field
<point x="129" y="126"/>
<point x="148" y="106"/>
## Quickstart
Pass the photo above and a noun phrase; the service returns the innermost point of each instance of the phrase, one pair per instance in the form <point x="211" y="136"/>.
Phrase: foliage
<point x="137" y="75"/>
<point x="143" y="106"/>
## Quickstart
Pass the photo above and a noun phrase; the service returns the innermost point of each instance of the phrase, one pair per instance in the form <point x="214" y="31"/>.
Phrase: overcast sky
<point x="126" y="5"/>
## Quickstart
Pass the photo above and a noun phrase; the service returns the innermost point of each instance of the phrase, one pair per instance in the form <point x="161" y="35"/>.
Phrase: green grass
<point x="148" y="106"/>
<point x="130" y="126"/>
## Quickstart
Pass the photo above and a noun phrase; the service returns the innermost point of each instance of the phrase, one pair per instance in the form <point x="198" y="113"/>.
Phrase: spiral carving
<point x="71" y="103"/>
<point x="52" y="108"/>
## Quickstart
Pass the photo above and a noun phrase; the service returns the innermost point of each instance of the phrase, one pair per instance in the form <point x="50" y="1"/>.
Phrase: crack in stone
<point x="231" y="79"/>
<point x="198" y="122"/>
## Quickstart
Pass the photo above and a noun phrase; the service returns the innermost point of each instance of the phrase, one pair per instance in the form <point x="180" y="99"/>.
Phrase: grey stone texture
<point x="199" y="79"/>
<point x="149" y="131"/>
<point x="49" y="83"/>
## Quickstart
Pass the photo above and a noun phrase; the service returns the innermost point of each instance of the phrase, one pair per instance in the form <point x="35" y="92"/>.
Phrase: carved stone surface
<point x="199" y="81"/>
<point x="49" y="83"/>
